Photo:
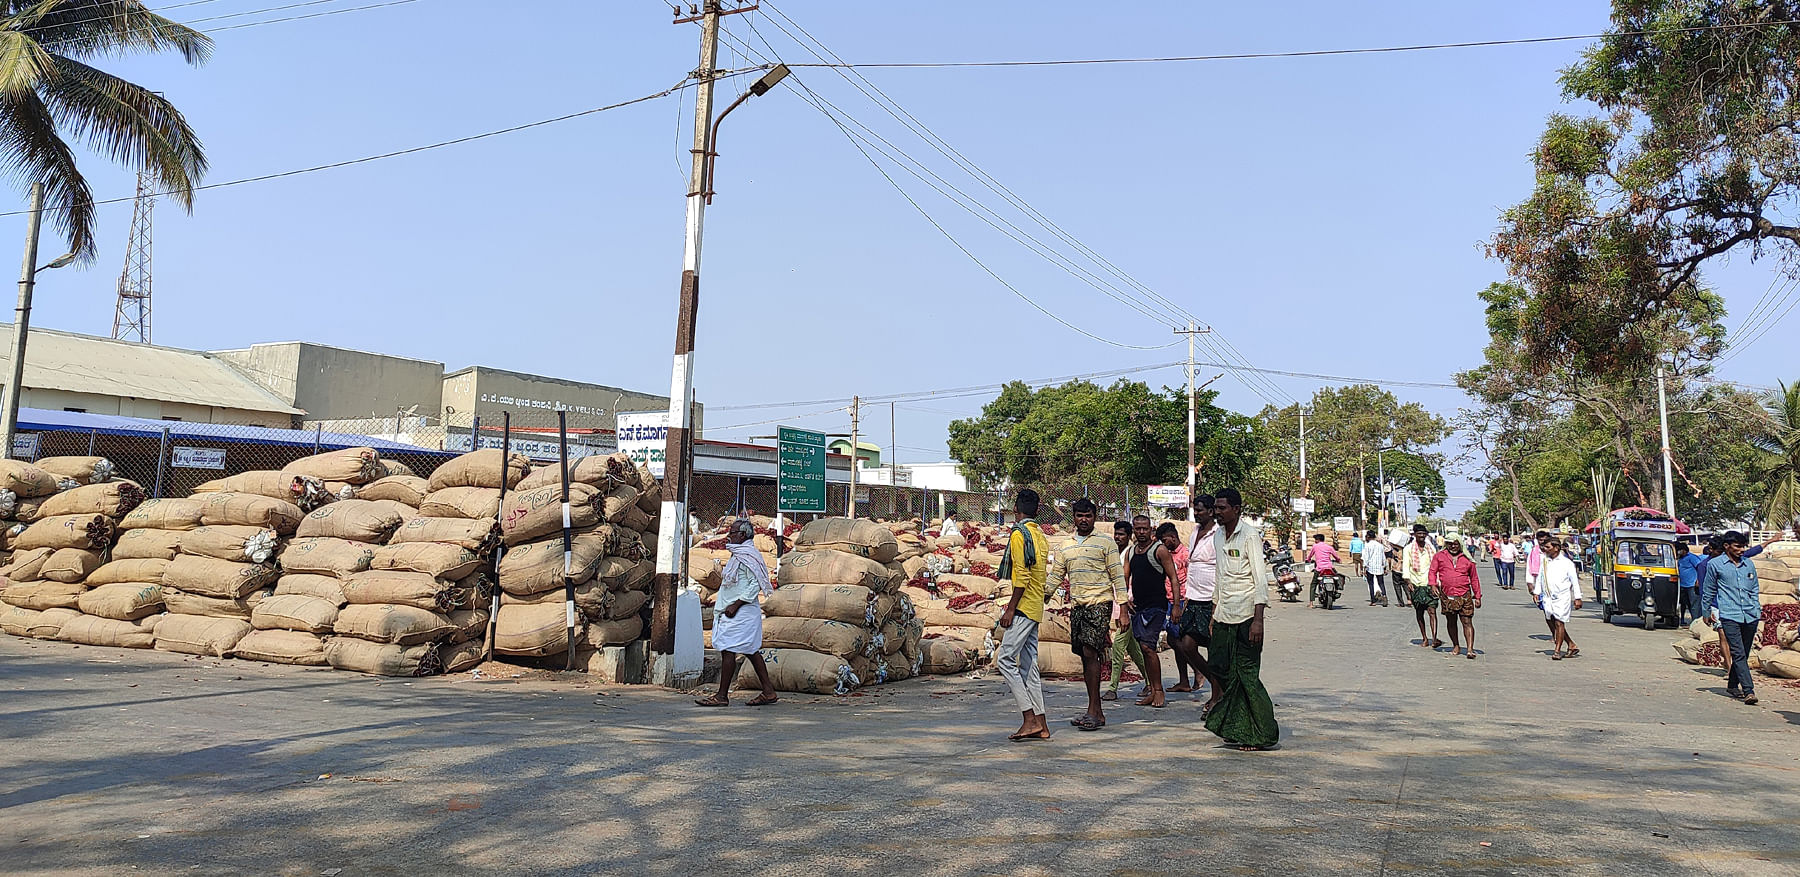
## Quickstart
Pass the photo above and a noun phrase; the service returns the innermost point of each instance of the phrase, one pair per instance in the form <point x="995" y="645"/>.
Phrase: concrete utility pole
<point x="1662" y="407"/>
<point x="1305" y="483"/>
<point x="1362" y="492"/>
<point x="22" y="319"/>
<point x="855" y="439"/>
<point x="1193" y="471"/>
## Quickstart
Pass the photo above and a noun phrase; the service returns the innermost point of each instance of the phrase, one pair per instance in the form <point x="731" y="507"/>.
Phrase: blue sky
<point x="1324" y="214"/>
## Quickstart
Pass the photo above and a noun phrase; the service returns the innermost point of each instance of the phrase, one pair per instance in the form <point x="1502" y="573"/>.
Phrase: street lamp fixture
<point x="757" y="89"/>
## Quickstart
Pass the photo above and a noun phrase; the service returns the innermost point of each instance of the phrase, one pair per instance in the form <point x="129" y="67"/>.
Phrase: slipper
<point x="1471" y="656"/>
<point x="1110" y="695"/>
<point x="1556" y="657"/>
<point x="1087" y="723"/>
<point x="712" y="701"/>
<point x="1573" y="653"/>
<point x="765" y="700"/>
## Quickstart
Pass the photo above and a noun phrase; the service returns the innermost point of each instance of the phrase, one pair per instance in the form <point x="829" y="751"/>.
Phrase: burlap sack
<point x="81" y="470"/>
<point x="67" y="531"/>
<point x="17" y="620"/>
<point x="590" y="599"/>
<point x="71" y="564"/>
<point x="294" y="612"/>
<point x="633" y="518"/>
<point x="1780" y="663"/>
<point x="612" y="632"/>
<point x="621" y="574"/>
<point x="445" y="561"/>
<point x="535" y="567"/>
<point x="324" y="587"/>
<point x="200" y="635"/>
<point x="244" y="509"/>
<point x="147" y="544"/>
<point x="266" y="482"/>
<point x="587" y="470"/>
<point x="826" y="567"/>
<point x="617" y="500"/>
<point x="326" y="556"/>
<point x="350" y="465"/>
<point x="945" y="656"/>
<point x="27" y="565"/>
<point x="165" y="514"/>
<point x="534" y="514"/>
<point x="470" y="624"/>
<point x="818" y="635"/>
<point x="1058" y="663"/>
<point x="114" y="499"/>
<point x="527" y="629"/>
<point x="706" y="570"/>
<point x="803" y="672"/>
<point x="147" y="571"/>
<point x="965" y="583"/>
<point x="463" y="656"/>
<point x="122" y="602"/>
<point x="49" y="623"/>
<point x="405" y="511"/>
<point x="183" y="603"/>
<point x="395" y="467"/>
<point x="281" y="647"/>
<point x="624" y="604"/>
<point x="406" y="489"/>
<point x="357" y="520"/>
<point x="219" y="579"/>
<point x="238" y="544"/>
<point x="479" y="536"/>
<point x="889" y="641"/>
<point x="382" y="659"/>
<point x="92" y="630"/>
<point x="388" y="623"/>
<point x="402" y="589"/>
<point x="25" y="480"/>
<point x="850" y="604"/>
<point x="650" y="503"/>
<point x="859" y="537"/>
<point x="472" y="503"/>
<point x="43" y="594"/>
<point x="480" y="469"/>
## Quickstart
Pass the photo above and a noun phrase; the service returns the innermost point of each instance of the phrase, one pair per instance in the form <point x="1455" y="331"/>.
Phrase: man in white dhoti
<point x="1558" y="586"/>
<point x="738" y="618"/>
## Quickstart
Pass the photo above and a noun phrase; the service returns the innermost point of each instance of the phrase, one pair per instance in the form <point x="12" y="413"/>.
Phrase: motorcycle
<point x="1327" y="587"/>
<point x="1287" y="582"/>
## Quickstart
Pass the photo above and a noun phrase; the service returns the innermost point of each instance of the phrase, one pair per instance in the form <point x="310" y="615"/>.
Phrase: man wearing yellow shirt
<point x="1090" y="564"/>
<point x="1026" y="563"/>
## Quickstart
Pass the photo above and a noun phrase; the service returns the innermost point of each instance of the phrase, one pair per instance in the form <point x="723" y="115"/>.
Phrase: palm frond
<point x="96" y="28"/>
<point x="31" y="151"/>
<point x="129" y="123"/>
<point x="23" y="63"/>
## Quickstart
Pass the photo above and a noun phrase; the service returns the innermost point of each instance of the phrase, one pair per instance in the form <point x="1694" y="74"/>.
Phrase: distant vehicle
<point x="1635" y="570"/>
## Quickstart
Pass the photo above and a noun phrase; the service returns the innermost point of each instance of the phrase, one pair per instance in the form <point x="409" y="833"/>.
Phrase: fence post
<point x="162" y="462"/>
<point x="91" y="434"/>
<point x="475" y="433"/>
<point x="318" y="433"/>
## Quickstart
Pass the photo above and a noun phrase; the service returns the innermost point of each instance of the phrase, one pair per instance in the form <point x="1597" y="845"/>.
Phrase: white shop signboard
<point x="1168" y="495"/>
<point x="197" y="458"/>
<point x="644" y="437"/>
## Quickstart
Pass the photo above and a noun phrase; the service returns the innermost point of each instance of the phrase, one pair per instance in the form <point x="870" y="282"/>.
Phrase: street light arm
<point x="757" y="89"/>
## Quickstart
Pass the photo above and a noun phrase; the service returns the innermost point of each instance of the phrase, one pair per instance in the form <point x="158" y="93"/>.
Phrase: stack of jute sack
<point x="53" y="586"/>
<point x="217" y="553"/>
<point x="837" y="621"/>
<point x="342" y="473"/>
<point x="613" y="509"/>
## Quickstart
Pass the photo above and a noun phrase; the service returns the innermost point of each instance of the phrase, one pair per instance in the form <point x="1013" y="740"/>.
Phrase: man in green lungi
<point x="1244" y="716"/>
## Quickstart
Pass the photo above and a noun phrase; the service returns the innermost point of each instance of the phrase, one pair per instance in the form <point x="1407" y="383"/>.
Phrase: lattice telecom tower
<point x="131" y="321"/>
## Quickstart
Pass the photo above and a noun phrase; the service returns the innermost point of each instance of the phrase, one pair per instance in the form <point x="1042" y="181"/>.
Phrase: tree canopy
<point x="47" y="91"/>
<point x="1344" y="429"/>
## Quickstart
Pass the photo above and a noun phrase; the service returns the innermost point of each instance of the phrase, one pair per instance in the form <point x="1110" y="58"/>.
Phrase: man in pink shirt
<point x="1323" y="555"/>
<point x="1456" y="581"/>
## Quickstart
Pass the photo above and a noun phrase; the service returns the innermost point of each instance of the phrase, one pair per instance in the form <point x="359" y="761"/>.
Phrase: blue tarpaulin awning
<point x="41" y="420"/>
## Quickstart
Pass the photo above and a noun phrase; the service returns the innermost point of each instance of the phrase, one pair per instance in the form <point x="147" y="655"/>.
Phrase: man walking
<point x="1195" y="629"/>
<point x="1506" y="559"/>
<point x="1089" y="563"/>
<point x="1559" y="591"/>
<point x="1415" y="574"/>
<point x="1374" y="559"/>
<point x="1152" y="567"/>
<point x="1457" y="582"/>
<point x="1123" y="646"/>
<point x="1729" y="595"/>
<point x="1243" y="715"/>
<point x="1356" y="550"/>
<point x="1170" y="537"/>
<point x="1027" y="555"/>
<point x="1691" y="566"/>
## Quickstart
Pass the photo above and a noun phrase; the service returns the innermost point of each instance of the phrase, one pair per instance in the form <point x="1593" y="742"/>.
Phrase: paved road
<point x="1395" y="760"/>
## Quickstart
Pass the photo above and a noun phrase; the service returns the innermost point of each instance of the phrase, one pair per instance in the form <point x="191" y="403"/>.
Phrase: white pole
<point x="1668" y="460"/>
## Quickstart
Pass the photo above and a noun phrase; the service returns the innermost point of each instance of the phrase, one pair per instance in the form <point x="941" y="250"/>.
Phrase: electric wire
<point x="161" y="9"/>
<point x="1756" y="326"/>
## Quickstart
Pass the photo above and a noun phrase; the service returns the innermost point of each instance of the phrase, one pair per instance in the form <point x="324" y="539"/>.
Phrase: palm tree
<point x="1780" y="448"/>
<point x="47" y="91"/>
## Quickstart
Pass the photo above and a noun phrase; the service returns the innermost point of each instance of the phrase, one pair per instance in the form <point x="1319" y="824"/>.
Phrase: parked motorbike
<point x="1287" y="582"/>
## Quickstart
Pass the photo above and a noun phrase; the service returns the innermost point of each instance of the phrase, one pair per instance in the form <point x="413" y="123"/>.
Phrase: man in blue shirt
<point x="1729" y="595"/>
<point x="1692" y="566"/>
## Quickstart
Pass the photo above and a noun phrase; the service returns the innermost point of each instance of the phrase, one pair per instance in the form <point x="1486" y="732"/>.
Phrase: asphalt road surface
<point x="1394" y="759"/>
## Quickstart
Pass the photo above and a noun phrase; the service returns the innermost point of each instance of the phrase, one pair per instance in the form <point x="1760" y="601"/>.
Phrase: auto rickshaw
<point x="1635" y="568"/>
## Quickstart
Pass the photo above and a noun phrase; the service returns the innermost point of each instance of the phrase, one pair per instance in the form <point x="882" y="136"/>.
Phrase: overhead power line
<point x="1304" y="53"/>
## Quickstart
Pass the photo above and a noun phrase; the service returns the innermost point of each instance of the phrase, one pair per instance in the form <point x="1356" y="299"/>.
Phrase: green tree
<point x="1345" y="427"/>
<point x="47" y="90"/>
<point x="1692" y="154"/>
<point x="1778" y="455"/>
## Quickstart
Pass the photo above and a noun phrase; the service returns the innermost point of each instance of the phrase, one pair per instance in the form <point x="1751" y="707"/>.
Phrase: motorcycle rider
<point x="1323" y="555"/>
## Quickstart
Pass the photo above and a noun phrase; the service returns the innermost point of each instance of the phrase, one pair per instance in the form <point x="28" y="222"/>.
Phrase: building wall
<point x="533" y="400"/>
<point x="59" y="400"/>
<point x="334" y="383"/>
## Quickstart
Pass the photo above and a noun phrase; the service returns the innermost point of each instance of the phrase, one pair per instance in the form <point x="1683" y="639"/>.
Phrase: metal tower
<point x="131" y="320"/>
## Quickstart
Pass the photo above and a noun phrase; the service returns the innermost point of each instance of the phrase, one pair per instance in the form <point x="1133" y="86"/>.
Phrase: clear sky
<point x="1323" y="214"/>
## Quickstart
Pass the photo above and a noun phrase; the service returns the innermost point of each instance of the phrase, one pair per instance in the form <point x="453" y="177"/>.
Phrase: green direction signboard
<point x="801" y="485"/>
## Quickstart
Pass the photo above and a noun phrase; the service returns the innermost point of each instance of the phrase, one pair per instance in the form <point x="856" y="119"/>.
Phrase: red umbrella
<point x="1641" y="513"/>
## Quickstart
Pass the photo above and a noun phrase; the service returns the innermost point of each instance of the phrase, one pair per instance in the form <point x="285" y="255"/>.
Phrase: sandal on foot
<point x="715" y="700"/>
<point x="1087" y="723"/>
<point x="765" y="700"/>
<point x="1572" y="653"/>
<point x="1110" y="696"/>
<point x="1035" y="735"/>
<point x="1556" y="657"/>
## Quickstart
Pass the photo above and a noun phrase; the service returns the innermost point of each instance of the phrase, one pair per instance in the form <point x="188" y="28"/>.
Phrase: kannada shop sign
<point x="800" y="483"/>
<point x="644" y="437"/>
<point x="1169" y="496"/>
